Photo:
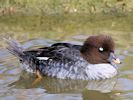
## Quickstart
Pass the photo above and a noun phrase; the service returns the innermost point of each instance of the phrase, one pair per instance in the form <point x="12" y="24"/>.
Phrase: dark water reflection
<point x="15" y="84"/>
<point x="53" y="85"/>
<point x="86" y="89"/>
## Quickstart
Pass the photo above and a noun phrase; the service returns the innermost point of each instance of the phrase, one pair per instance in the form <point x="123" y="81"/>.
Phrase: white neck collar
<point x="100" y="71"/>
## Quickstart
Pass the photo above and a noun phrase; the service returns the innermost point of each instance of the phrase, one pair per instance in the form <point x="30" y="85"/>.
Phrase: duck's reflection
<point x="96" y="95"/>
<point x="54" y="85"/>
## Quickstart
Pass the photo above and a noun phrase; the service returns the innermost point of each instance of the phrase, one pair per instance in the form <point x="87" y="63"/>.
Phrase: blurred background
<point x="37" y="23"/>
<point x="62" y="19"/>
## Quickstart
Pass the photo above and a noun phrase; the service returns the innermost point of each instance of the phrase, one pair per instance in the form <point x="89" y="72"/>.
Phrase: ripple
<point x="38" y="42"/>
<point x="128" y="53"/>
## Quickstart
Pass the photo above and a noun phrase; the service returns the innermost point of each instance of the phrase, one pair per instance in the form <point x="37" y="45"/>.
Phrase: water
<point x="16" y="84"/>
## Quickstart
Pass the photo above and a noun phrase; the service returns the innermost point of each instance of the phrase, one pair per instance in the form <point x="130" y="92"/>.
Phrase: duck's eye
<point x="101" y="49"/>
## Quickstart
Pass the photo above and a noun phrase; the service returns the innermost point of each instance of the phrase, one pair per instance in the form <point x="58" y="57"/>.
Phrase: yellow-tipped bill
<point x="117" y="61"/>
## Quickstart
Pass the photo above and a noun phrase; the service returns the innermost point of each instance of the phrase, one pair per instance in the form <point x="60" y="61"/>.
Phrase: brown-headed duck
<point x="94" y="60"/>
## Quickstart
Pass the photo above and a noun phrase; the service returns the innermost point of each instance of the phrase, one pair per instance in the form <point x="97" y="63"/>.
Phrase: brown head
<point x="98" y="49"/>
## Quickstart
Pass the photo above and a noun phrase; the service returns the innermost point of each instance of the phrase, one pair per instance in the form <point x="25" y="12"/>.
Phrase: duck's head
<point x="99" y="49"/>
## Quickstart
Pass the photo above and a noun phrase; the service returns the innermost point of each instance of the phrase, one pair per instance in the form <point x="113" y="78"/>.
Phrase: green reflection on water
<point x="63" y="26"/>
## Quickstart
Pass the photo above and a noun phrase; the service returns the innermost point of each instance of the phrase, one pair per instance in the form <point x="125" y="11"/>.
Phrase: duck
<point x="95" y="59"/>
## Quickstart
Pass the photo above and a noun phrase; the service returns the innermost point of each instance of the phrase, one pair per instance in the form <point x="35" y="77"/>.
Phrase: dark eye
<point x="101" y="49"/>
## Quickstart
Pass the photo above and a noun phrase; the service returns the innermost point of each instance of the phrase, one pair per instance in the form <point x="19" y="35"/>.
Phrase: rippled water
<point x="17" y="84"/>
<point x="38" y="31"/>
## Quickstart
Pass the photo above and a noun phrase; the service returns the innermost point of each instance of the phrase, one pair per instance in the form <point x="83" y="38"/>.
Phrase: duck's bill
<point x="114" y="59"/>
<point x="117" y="61"/>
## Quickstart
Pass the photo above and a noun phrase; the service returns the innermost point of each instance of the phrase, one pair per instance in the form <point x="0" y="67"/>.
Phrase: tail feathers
<point x="15" y="47"/>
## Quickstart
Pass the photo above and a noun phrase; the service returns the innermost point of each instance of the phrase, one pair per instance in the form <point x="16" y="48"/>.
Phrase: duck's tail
<point x="15" y="48"/>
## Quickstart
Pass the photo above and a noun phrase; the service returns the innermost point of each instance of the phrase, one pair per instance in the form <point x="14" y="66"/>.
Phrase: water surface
<point x="38" y="31"/>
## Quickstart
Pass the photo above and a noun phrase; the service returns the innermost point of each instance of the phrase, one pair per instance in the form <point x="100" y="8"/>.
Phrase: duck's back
<point x="58" y="51"/>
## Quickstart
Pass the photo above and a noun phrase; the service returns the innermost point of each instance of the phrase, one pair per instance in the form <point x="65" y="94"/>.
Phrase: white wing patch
<point x="42" y="58"/>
